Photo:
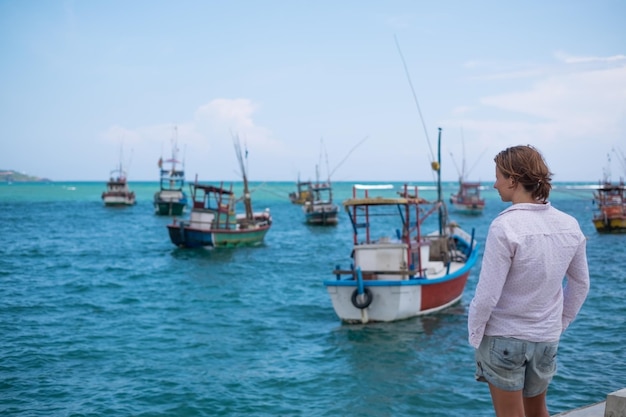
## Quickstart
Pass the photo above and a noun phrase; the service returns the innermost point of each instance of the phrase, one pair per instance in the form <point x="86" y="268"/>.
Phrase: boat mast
<point x="463" y="173"/>
<point x="247" y="201"/>
<point x="174" y="149"/>
<point x="120" y="172"/>
<point x="437" y="167"/>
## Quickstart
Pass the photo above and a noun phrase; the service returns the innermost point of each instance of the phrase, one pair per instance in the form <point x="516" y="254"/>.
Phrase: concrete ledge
<point x="594" y="410"/>
<point x="616" y="404"/>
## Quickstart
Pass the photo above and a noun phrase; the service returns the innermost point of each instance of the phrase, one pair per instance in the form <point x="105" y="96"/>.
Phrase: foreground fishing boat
<point x="214" y="222"/>
<point x="171" y="200"/>
<point x="117" y="192"/>
<point x="468" y="200"/>
<point x="320" y="209"/>
<point x="610" y="201"/>
<point x="401" y="273"/>
<point x="404" y="275"/>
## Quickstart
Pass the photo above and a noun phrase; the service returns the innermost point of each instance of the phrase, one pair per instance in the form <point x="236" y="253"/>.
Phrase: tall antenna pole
<point x="441" y="220"/>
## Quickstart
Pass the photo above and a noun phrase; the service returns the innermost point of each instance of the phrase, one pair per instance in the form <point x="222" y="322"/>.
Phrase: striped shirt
<point x="530" y="250"/>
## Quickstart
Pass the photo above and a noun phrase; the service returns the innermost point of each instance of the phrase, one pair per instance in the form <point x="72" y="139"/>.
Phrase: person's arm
<point x="496" y="263"/>
<point x="576" y="286"/>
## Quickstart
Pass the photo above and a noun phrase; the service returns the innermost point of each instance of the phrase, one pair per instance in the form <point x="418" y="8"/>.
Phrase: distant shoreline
<point x="10" y="176"/>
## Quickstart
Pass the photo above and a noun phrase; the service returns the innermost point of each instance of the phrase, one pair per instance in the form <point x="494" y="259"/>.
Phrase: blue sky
<point x="83" y="80"/>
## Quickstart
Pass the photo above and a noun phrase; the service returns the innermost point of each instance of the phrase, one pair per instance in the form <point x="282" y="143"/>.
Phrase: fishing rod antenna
<point x="417" y="104"/>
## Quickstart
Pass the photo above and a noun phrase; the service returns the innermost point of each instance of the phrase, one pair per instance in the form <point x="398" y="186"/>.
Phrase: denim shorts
<point x="513" y="364"/>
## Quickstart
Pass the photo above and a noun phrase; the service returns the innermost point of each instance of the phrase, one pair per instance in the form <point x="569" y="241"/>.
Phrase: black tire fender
<point x="367" y="300"/>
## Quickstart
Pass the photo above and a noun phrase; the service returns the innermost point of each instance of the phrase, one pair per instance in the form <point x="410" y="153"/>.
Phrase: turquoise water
<point x="101" y="315"/>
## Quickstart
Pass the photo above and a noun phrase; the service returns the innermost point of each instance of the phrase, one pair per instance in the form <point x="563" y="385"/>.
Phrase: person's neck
<point x="528" y="201"/>
<point x="522" y="196"/>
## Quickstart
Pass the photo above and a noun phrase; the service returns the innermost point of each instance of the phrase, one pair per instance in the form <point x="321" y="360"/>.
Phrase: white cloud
<point x="223" y="118"/>
<point x="579" y="111"/>
<point x="578" y="105"/>
<point x="205" y="140"/>
<point x="569" y="59"/>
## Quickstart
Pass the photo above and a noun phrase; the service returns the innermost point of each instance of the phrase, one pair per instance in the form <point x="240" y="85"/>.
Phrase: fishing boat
<point x="171" y="200"/>
<point x="316" y="196"/>
<point x="397" y="271"/>
<point x="610" y="202"/>
<point x="302" y="193"/>
<point x="320" y="209"/>
<point x="214" y="221"/>
<point x="117" y="191"/>
<point x="468" y="200"/>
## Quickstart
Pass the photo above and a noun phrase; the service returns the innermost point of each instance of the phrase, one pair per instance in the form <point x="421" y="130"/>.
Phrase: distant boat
<point x="302" y="193"/>
<point x="610" y="200"/>
<point x="214" y="222"/>
<point x="395" y="276"/>
<point x="117" y="192"/>
<point x="468" y="200"/>
<point x="319" y="209"/>
<point x="171" y="200"/>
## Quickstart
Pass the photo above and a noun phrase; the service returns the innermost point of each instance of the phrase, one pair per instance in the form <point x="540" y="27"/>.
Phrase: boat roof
<point x="612" y="187"/>
<point x="176" y="172"/>
<point x="321" y="187"/>
<point x="403" y="197"/>
<point x="373" y="186"/>
<point x="382" y="201"/>
<point x="212" y="189"/>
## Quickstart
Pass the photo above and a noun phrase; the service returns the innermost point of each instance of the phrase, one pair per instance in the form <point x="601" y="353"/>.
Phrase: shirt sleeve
<point x="576" y="285"/>
<point x="496" y="263"/>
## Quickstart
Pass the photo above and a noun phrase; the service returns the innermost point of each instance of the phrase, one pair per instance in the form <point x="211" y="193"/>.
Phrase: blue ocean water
<point x="101" y="315"/>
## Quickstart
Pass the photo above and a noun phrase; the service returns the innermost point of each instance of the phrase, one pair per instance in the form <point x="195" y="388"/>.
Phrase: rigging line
<point x="406" y="70"/>
<point x="463" y="172"/>
<point x="130" y="160"/>
<point x="237" y="145"/>
<point x="476" y="163"/>
<point x="326" y="156"/>
<point x="268" y="190"/>
<point x="586" y="194"/>
<point x="346" y="157"/>
<point x="319" y="161"/>
<point x="458" y="171"/>
<point x="620" y="157"/>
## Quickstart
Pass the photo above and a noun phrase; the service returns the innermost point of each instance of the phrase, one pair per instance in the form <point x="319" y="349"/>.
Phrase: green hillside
<point x="9" y="175"/>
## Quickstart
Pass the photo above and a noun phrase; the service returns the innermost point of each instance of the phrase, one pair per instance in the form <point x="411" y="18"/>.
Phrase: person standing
<point x="521" y="305"/>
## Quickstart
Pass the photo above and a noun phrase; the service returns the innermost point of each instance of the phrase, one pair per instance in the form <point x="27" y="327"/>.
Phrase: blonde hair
<point x="526" y="166"/>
